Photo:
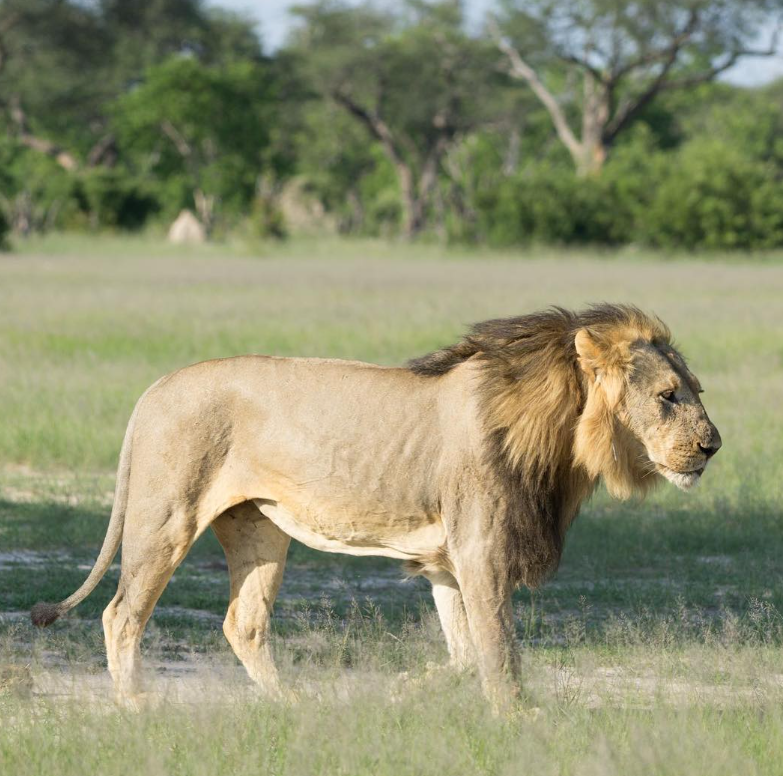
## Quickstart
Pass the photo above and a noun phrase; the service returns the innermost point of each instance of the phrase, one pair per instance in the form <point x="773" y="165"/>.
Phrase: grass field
<point x="657" y="648"/>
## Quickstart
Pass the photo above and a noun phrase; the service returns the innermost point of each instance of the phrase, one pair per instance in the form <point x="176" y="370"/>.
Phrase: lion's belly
<point x="331" y="524"/>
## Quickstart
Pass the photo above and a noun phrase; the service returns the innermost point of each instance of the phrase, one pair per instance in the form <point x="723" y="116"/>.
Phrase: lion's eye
<point x="668" y="396"/>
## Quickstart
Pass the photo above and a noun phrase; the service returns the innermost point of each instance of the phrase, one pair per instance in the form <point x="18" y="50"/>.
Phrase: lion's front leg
<point x="486" y="593"/>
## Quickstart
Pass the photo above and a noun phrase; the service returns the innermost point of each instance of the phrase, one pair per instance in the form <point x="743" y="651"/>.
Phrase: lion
<point x="469" y="464"/>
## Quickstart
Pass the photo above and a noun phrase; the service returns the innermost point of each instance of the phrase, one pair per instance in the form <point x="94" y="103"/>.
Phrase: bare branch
<point x="65" y="159"/>
<point x="382" y="132"/>
<point x="599" y="75"/>
<point x="520" y="69"/>
<point x="379" y="128"/>
<point x="632" y="106"/>
<point x="176" y="137"/>
<point x="103" y="152"/>
<point x="665" y="54"/>
<point x="711" y="73"/>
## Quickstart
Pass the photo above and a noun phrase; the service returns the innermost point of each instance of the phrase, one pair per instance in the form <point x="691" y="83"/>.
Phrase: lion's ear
<point x="589" y="352"/>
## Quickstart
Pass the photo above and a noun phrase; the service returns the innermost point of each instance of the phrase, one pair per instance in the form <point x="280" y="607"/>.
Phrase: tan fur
<point x="469" y="465"/>
<point x="602" y="445"/>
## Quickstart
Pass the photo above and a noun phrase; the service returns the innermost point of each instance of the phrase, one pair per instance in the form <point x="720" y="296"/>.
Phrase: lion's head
<point x="603" y="388"/>
<point x="643" y="416"/>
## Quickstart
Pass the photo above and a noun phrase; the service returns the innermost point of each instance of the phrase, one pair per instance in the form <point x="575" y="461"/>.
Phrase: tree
<point x="625" y="55"/>
<point x="63" y="61"/>
<point x="342" y="167"/>
<point x="143" y="33"/>
<point x="415" y="81"/>
<point x="211" y="125"/>
<point x="49" y="54"/>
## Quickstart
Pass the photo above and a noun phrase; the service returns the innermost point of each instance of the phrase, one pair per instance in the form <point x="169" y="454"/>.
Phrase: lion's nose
<point x="710" y="450"/>
<point x="710" y="441"/>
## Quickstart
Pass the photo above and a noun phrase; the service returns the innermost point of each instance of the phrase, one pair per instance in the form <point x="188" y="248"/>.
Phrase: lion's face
<point x="663" y="411"/>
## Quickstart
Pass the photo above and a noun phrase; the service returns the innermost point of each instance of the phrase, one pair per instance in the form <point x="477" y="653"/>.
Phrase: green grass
<point x="83" y="333"/>
<point x="370" y="735"/>
<point x="656" y="648"/>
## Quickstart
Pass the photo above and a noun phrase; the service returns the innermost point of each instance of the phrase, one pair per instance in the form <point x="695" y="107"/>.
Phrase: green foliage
<point x="349" y="175"/>
<point x="394" y="119"/>
<point x="67" y="65"/>
<point x="708" y="194"/>
<point x="548" y="202"/>
<point x="715" y="196"/>
<point x="209" y="125"/>
<point x="36" y="194"/>
<point x="266" y="218"/>
<point x="412" y="81"/>
<point x="55" y="69"/>
<point x="114" y="198"/>
<point x="5" y="227"/>
<point x="551" y="205"/>
<point x="611" y="36"/>
<point x="64" y="62"/>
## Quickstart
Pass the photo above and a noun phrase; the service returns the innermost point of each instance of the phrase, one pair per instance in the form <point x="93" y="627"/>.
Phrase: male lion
<point x="470" y="464"/>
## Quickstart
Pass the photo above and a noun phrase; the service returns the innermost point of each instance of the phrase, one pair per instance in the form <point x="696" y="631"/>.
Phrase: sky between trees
<point x="275" y="22"/>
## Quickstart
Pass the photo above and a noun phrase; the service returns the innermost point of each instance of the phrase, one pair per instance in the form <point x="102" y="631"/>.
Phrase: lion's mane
<point x="549" y="432"/>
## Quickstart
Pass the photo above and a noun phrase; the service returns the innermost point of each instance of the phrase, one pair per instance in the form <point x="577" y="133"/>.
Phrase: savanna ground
<point x="657" y="648"/>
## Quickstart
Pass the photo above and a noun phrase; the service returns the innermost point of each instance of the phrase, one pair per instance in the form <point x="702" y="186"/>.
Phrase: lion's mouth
<point x="683" y="480"/>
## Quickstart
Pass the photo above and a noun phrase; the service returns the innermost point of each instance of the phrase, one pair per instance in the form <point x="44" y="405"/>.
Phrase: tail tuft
<point x="44" y="614"/>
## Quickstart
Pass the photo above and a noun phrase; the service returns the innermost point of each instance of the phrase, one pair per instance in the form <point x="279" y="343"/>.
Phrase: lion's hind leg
<point x="255" y="550"/>
<point x="438" y="569"/>
<point x="453" y="619"/>
<point x="151" y="553"/>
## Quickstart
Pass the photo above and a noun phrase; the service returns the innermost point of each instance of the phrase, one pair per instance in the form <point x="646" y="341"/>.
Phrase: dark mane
<point x="532" y="395"/>
<point x="493" y="338"/>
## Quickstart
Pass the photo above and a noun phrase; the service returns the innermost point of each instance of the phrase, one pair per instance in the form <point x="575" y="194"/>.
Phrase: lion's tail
<point x="43" y="614"/>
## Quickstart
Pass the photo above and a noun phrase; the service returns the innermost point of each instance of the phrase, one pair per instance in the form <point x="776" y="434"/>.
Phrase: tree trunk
<point x="205" y="207"/>
<point x="591" y="158"/>
<point x="411" y="209"/>
<point x="355" y="221"/>
<point x="595" y="116"/>
<point x="417" y="194"/>
<point x="415" y="217"/>
<point x="511" y="157"/>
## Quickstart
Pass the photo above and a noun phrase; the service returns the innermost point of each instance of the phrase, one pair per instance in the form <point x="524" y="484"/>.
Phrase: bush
<point x="266" y="218"/>
<point x="705" y="195"/>
<point x="4" y="229"/>
<point x="36" y="193"/>
<point x="713" y="196"/>
<point x="552" y="205"/>
<point x="113" y="198"/>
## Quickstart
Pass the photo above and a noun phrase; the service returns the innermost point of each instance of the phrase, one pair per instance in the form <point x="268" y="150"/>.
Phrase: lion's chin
<point x="683" y="480"/>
